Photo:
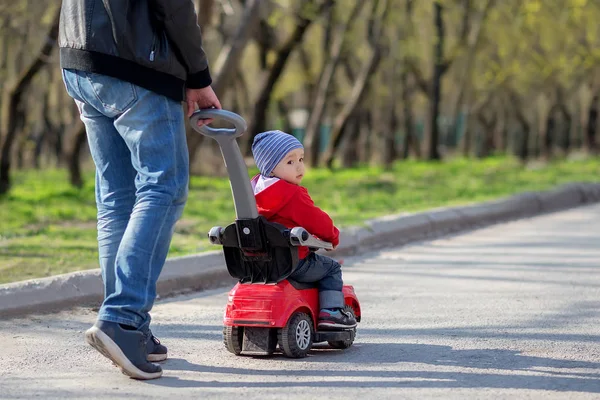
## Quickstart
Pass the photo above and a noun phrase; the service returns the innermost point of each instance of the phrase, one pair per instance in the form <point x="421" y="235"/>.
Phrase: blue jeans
<point x="138" y="144"/>
<point x="328" y="273"/>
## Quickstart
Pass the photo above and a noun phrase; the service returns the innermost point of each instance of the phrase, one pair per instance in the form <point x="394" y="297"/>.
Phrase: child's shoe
<point x="336" y="319"/>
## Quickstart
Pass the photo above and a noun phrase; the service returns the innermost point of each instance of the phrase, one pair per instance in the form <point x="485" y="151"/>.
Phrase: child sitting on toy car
<point x="280" y="198"/>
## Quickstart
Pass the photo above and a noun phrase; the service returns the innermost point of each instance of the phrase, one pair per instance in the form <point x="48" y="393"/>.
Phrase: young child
<point x="280" y="198"/>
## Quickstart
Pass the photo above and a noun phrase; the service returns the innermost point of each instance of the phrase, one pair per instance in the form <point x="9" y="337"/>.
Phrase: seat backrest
<point x="258" y="251"/>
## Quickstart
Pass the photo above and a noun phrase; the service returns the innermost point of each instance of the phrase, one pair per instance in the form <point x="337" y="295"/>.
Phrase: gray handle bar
<point x="215" y="133"/>
<point x="243" y="195"/>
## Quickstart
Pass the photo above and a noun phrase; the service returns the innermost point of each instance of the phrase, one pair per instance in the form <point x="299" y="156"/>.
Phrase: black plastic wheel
<point x="296" y="337"/>
<point x="344" y="344"/>
<point x="232" y="338"/>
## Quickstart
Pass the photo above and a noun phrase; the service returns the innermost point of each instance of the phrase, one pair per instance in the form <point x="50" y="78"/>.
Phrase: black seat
<point x="259" y="251"/>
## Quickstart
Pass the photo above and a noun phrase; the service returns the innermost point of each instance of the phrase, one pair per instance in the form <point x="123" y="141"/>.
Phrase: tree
<point x="367" y="70"/>
<point x="308" y="12"/>
<point x="229" y="57"/>
<point x="325" y="79"/>
<point x="14" y="111"/>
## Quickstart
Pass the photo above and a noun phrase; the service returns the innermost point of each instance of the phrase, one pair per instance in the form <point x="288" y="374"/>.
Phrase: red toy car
<point x="265" y="308"/>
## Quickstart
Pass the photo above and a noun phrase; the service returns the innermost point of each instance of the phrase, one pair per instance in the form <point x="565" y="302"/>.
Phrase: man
<point x="128" y="65"/>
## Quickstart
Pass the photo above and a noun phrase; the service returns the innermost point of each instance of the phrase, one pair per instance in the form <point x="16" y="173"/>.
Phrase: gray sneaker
<point x="156" y="351"/>
<point x="126" y="348"/>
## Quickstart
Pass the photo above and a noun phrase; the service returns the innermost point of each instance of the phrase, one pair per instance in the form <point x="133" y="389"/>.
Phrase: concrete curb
<point x="207" y="270"/>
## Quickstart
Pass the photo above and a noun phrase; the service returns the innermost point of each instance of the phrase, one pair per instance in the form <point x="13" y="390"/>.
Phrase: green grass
<point x="48" y="227"/>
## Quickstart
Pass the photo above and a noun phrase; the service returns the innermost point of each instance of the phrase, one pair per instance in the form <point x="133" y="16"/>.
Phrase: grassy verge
<point x="48" y="227"/>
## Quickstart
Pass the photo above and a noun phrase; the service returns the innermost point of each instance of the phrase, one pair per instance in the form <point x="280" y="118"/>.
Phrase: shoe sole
<point x="156" y="357"/>
<point x="333" y="325"/>
<point x="109" y="349"/>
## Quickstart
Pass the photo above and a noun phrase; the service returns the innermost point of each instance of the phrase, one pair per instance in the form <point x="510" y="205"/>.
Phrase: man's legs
<point x="137" y="140"/>
<point x="115" y="188"/>
<point x="153" y="129"/>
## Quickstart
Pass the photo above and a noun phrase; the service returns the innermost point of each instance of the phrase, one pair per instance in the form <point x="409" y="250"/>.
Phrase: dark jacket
<point x="155" y="44"/>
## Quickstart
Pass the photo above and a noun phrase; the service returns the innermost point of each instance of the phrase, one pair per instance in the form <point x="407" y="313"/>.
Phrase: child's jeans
<point x="328" y="273"/>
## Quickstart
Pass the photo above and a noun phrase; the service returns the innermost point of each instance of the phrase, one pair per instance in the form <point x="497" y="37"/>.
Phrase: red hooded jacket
<point x="291" y="205"/>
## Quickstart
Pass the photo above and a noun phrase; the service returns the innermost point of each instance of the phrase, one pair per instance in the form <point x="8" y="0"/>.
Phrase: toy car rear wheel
<point x="344" y="344"/>
<point x="296" y="337"/>
<point x="233" y="337"/>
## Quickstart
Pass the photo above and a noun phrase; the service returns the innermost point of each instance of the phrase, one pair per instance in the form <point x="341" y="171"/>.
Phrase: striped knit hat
<point x="270" y="147"/>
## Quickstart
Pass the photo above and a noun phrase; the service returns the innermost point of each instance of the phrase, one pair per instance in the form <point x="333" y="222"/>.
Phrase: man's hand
<point x="199" y="99"/>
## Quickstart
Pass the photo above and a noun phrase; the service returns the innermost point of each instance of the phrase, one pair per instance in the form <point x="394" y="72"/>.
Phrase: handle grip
<point x="238" y="122"/>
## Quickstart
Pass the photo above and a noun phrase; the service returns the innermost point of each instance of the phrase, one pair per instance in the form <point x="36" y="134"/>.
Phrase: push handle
<point x="243" y="195"/>
<point x="238" y="122"/>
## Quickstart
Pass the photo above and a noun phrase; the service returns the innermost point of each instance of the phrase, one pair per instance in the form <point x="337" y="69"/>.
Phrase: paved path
<point x="510" y="311"/>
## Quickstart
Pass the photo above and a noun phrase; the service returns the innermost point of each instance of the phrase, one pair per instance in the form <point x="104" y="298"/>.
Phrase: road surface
<point x="509" y="311"/>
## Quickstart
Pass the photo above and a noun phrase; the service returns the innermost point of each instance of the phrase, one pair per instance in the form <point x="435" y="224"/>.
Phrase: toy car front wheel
<point x="296" y="337"/>
<point x="233" y="337"/>
<point x="344" y="344"/>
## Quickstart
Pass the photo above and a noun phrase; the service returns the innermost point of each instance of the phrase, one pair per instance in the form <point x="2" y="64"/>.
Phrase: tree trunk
<point x="523" y="151"/>
<point x="15" y="96"/>
<point x="21" y="139"/>
<point x="546" y="136"/>
<point x="266" y="39"/>
<point x="501" y="131"/>
<point x="565" y="132"/>
<point x="50" y="139"/>
<point x="205" y="10"/>
<point x="232" y="51"/>
<point x="523" y="146"/>
<point x="47" y="129"/>
<point x="363" y="143"/>
<point x="78" y="139"/>
<point x="348" y="68"/>
<point x="350" y="155"/>
<point x="311" y="138"/>
<point x="57" y="142"/>
<point x="432" y="134"/>
<point x="472" y="39"/>
<point x="390" y="149"/>
<point x="259" y="116"/>
<point x="4" y="56"/>
<point x="357" y="91"/>
<point x="410" y="139"/>
<point x="592" y="124"/>
<point x="284" y="111"/>
<point x="4" y="53"/>
<point x="489" y="127"/>
<point x="585" y="100"/>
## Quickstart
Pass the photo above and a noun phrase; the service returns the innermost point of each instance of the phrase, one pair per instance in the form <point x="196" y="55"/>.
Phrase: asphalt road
<point x="510" y="311"/>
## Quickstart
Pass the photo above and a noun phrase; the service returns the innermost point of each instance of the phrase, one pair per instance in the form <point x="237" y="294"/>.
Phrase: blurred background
<point x="402" y="105"/>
